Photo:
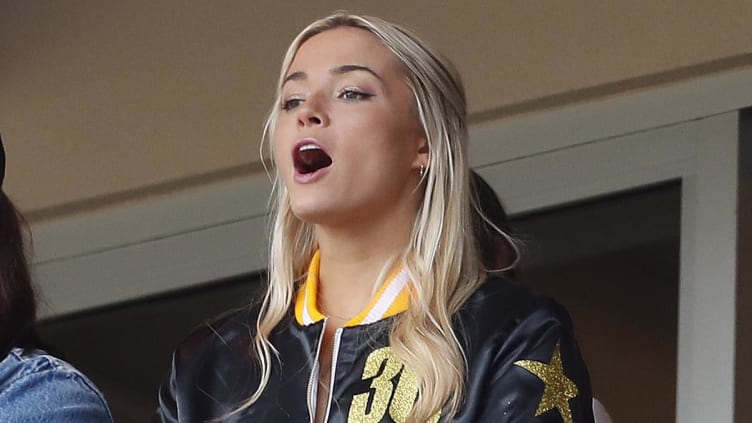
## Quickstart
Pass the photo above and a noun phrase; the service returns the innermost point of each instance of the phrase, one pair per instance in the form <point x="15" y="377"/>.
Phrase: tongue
<point x="309" y="161"/>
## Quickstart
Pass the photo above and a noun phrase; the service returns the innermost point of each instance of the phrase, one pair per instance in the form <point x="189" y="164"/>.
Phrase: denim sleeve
<point x="52" y="393"/>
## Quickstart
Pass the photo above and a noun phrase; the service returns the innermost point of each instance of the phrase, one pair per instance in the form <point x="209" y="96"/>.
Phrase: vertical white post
<point x="743" y="385"/>
<point x="707" y="298"/>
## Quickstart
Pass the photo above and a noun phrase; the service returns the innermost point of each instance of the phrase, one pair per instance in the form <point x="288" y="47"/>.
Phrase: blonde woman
<point x="378" y="307"/>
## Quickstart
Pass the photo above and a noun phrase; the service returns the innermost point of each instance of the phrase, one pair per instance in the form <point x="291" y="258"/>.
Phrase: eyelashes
<point x="354" y="94"/>
<point x="347" y="94"/>
<point x="291" y="103"/>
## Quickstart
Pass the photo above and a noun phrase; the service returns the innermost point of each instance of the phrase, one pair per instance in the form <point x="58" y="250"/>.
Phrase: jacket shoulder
<point x="519" y="346"/>
<point x="211" y="370"/>
<point x="499" y="304"/>
<point x="226" y="332"/>
<point x="502" y="306"/>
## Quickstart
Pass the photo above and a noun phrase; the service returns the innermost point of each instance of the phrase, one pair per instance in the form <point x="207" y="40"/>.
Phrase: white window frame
<point x="702" y="154"/>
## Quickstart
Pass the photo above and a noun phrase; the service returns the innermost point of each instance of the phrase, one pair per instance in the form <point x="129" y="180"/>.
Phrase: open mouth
<point x="309" y="158"/>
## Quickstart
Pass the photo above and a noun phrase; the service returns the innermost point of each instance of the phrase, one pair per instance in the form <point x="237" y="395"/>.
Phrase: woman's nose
<point x="312" y="113"/>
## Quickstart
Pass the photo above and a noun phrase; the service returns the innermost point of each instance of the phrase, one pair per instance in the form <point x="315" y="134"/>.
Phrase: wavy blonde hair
<point x="441" y="256"/>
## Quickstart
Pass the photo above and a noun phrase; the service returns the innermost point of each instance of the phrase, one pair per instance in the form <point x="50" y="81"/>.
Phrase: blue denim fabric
<point x="37" y="387"/>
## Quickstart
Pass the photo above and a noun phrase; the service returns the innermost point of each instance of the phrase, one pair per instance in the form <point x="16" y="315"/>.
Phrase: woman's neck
<point x="352" y="261"/>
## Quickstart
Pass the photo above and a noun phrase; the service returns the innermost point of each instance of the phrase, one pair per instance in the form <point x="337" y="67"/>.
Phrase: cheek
<point x="386" y="130"/>
<point x="399" y="141"/>
<point x="279" y="147"/>
<point x="276" y="148"/>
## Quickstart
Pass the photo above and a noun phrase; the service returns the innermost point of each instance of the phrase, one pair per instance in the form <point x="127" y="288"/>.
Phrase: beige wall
<point x="106" y="101"/>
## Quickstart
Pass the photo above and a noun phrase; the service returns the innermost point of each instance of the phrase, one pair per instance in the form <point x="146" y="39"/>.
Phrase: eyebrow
<point x="339" y="70"/>
<point x="354" y="68"/>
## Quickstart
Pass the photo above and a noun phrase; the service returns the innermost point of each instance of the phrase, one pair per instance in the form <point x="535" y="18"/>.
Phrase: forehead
<point x="344" y="45"/>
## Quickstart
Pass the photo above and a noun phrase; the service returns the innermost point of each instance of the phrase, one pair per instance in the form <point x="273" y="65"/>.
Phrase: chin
<point x="323" y="215"/>
<point x="311" y="213"/>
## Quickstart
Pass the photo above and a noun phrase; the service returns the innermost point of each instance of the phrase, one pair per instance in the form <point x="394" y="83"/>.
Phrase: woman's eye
<point x="292" y="103"/>
<point x="352" y="94"/>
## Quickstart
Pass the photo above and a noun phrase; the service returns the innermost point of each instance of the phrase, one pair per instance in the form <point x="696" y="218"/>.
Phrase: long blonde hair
<point x="441" y="256"/>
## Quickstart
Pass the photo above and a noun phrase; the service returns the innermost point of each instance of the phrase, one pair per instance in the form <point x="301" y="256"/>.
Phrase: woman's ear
<point x="422" y="154"/>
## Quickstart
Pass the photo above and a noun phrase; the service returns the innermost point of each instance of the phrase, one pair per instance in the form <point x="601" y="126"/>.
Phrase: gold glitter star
<point x="558" y="389"/>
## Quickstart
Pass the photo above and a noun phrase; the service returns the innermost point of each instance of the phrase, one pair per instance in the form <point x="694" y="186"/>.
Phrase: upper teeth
<point x="309" y="147"/>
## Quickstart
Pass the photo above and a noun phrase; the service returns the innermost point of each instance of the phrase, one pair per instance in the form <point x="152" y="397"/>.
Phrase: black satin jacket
<point x="523" y="366"/>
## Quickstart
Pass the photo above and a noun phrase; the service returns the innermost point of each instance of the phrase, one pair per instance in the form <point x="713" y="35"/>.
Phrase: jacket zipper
<point x="313" y="381"/>
<point x="335" y="354"/>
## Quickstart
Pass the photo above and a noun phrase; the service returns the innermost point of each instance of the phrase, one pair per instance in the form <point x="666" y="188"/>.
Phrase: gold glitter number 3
<point x="381" y="391"/>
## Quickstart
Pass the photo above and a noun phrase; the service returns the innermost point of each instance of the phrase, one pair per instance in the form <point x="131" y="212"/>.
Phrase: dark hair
<point x="496" y="251"/>
<point x="17" y="298"/>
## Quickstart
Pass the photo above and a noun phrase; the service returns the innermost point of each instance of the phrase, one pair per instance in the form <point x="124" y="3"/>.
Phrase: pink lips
<point x="310" y="160"/>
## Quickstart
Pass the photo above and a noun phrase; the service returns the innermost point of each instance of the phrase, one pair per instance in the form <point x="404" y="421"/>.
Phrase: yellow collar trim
<point x="392" y="298"/>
